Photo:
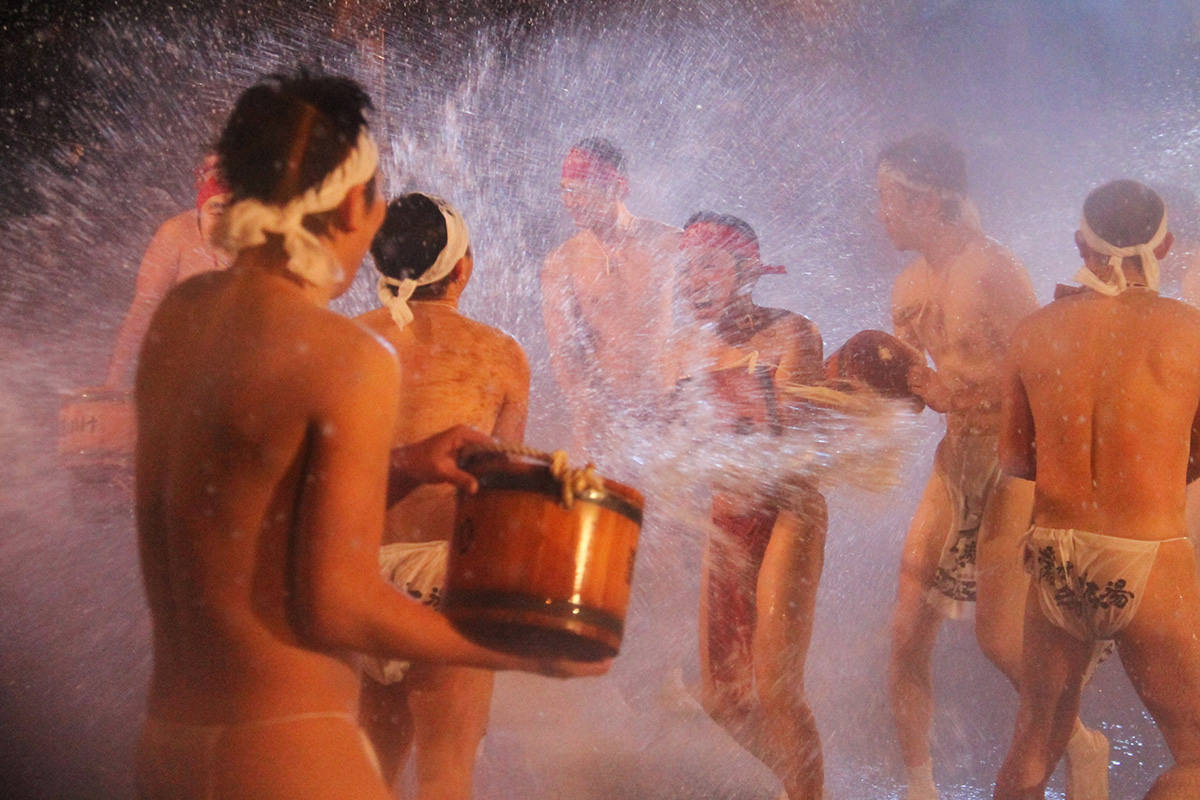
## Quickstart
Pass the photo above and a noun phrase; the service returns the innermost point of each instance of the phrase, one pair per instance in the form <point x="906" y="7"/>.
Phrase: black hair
<point x="1124" y="213"/>
<point x="287" y="133"/>
<point x="604" y="150"/>
<point x="409" y="241"/>
<point x="728" y="220"/>
<point x="928" y="158"/>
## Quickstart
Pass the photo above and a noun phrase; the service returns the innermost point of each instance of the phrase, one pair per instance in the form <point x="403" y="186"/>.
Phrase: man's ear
<point x="1084" y="250"/>
<point x="622" y="187"/>
<point x="1164" y="247"/>
<point x="349" y="214"/>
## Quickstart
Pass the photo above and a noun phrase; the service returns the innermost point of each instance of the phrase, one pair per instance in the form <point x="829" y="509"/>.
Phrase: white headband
<point x="248" y="222"/>
<point x="968" y="211"/>
<point x="457" y="242"/>
<point x="1117" y="255"/>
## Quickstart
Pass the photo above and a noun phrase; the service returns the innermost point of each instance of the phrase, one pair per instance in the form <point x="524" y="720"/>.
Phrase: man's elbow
<point x="327" y="618"/>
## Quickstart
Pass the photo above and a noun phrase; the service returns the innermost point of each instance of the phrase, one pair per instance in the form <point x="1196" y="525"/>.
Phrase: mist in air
<point x="773" y="111"/>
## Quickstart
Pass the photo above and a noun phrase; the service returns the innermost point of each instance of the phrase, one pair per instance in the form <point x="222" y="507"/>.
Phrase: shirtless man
<point x="180" y="249"/>
<point x="1101" y="401"/>
<point x="265" y="431"/>
<point x="454" y="371"/>
<point x="960" y="301"/>
<point x="764" y="555"/>
<point x="606" y="299"/>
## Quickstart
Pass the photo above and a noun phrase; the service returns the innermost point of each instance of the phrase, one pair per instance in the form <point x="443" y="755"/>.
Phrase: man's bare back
<point x="218" y="470"/>
<point x="1101" y="410"/>
<point x="455" y="371"/>
<point x="1111" y="382"/>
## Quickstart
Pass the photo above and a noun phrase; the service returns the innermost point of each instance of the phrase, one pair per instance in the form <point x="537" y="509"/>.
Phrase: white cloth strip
<point x="457" y="241"/>
<point x="968" y="211"/>
<point x="248" y="222"/>
<point x="1116" y="257"/>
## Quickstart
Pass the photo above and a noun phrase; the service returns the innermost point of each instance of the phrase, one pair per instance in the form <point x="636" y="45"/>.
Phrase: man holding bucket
<point x="265" y="431"/>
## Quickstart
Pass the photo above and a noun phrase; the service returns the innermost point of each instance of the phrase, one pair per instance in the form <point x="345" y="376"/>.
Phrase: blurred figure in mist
<point x="959" y="301"/>
<point x="454" y="371"/>
<point x="180" y="249"/>
<point x="1101" y="399"/>
<point x="607" y="302"/>
<point x="765" y="547"/>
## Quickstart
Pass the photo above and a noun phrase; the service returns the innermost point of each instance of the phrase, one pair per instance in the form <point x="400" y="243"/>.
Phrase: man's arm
<point x="340" y="602"/>
<point x="510" y="422"/>
<point x="156" y="276"/>
<point x="558" y="296"/>
<point x="907" y="304"/>
<point x="802" y="362"/>
<point x="1018" y="445"/>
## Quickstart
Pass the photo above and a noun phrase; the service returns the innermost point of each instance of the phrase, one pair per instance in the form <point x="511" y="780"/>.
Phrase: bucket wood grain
<point x="527" y="575"/>
<point x="97" y="428"/>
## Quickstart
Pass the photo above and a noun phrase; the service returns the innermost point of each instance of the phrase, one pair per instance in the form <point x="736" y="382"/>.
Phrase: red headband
<point x="580" y="165"/>
<point x="208" y="186"/>
<point x="731" y="240"/>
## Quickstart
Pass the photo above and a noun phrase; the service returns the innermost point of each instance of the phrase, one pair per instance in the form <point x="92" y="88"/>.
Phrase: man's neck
<point x="450" y="303"/>
<point x="269" y="261"/>
<point x="738" y="319"/>
<point x="944" y="245"/>
<point x="613" y="233"/>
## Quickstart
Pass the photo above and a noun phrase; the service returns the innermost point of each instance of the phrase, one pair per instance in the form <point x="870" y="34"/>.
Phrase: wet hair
<point x="287" y="133"/>
<point x="928" y="158"/>
<point x="933" y="160"/>
<point x="409" y="241"/>
<point x="1124" y="213"/>
<point x="605" y="151"/>
<point x="729" y="221"/>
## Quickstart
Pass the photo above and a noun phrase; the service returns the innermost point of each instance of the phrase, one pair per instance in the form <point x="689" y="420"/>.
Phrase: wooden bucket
<point x="97" y="428"/>
<point x="527" y="575"/>
<point x="878" y="361"/>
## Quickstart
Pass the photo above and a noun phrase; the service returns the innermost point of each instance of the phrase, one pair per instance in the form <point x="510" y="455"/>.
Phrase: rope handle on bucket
<point x="574" y="481"/>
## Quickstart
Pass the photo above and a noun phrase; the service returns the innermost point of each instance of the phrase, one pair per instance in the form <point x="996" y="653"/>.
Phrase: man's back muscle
<point x="1113" y="386"/>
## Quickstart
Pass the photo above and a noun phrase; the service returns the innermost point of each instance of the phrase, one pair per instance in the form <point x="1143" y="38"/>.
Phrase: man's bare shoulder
<point x="993" y="267"/>
<point x="1059" y="318"/>
<point x="910" y="285"/>
<point x="181" y="224"/>
<point x="496" y="341"/>
<point x="651" y="230"/>
<point x="782" y="322"/>
<point x="558" y="261"/>
<point x="376" y="320"/>
<point x="1179" y="315"/>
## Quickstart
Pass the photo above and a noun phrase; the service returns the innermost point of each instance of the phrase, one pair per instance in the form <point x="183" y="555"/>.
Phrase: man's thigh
<point x="787" y="587"/>
<point x="926" y="536"/>
<point x="1161" y="653"/>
